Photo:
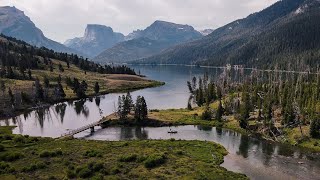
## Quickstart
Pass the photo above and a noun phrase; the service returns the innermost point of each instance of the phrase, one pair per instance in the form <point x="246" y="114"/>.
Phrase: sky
<point x="64" y="19"/>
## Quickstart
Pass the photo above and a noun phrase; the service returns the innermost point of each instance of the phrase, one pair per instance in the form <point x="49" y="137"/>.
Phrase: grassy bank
<point x="24" y="157"/>
<point x="291" y="136"/>
<point x="108" y="83"/>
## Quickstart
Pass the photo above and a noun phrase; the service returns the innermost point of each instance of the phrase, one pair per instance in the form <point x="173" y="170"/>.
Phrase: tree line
<point x="280" y="100"/>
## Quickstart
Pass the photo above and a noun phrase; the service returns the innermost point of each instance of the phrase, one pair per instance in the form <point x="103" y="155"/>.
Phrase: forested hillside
<point x="31" y="76"/>
<point x="285" y="34"/>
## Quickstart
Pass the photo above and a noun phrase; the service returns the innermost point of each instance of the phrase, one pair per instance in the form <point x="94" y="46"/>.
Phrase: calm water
<point x="258" y="159"/>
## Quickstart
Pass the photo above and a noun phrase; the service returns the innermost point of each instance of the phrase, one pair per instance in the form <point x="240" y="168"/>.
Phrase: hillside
<point x="15" y="23"/>
<point x="144" y="43"/>
<point x="96" y="39"/>
<point x="286" y="32"/>
<point x="30" y="76"/>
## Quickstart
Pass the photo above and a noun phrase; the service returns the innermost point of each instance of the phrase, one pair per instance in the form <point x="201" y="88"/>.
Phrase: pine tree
<point x="315" y="128"/>
<point x="46" y="82"/>
<point x="11" y="96"/>
<point x="3" y="87"/>
<point x="219" y="112"/>
<point x="39" y="93"/>
<point x="96" y="88"/>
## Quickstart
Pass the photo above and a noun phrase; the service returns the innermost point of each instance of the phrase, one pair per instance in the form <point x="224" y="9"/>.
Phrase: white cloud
<point x="63" y="19"/>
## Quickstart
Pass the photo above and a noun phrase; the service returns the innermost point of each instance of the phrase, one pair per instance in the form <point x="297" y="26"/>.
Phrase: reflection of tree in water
<point x="98" y="100"/>
<point x="40" y="115"/>
<point x="219" y="131"/>
<point x="141" y="133"/>
<point x="244" y="146"/>
<point x="204" y="128"/>
<point x="285" y="150"/>
<point x="61" y="110"/>
<point x="126" y="133"/>
<point x="26" y="115"/>
<point x="81" y="108"/>
<point x="268" y="150"/>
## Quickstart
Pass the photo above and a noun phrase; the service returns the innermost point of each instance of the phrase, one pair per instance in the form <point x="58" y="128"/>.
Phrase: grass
<point x="155" y="159"/>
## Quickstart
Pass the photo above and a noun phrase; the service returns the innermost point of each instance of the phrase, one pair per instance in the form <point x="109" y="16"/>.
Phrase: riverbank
<point x="177" y="117"/>
<point x="109" y="83"/>
<point x="24" y="157"/>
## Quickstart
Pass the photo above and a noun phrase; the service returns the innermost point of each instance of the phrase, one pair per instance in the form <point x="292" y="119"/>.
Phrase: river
<point x="258" y="159"/>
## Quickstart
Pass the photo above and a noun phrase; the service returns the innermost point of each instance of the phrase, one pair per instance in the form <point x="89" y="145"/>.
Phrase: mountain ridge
<point x="96" y="39"/>
<point x="242" y="41"/>
<point x="14" y="23"/>
<point x="143" y="43"/>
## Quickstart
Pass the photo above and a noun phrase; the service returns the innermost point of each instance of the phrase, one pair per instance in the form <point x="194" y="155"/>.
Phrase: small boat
<point x="172" y="132"/>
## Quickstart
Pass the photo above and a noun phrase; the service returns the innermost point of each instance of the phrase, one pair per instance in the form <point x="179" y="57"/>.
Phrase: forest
<point x="269" y="102"/>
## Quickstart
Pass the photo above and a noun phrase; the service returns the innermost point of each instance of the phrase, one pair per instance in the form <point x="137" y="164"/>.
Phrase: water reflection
<point x="256" y="158"/>
<point x="80" y="107"/>
<point x="61" y="110"/>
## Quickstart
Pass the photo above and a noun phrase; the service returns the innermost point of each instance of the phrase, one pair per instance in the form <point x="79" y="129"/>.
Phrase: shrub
<point x="92" y="153"/>
<point x="89" y="169"/>
<point x="19" y="139"/>
<point x="71" y="174"/>
<point x="154" y="160"/>
<point x="51" y="153"/>
<point x="6" y="168"/>
<point x="85" y="173"/>
<point x="11" y="156"/>
<point x="128" y="158"/>
<point x="207" y="114"/>
<point x="34" y="167"/>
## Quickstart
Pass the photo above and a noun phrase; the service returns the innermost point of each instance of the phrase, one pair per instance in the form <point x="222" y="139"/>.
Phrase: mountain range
<point x="284" y="34"/>
<point x="15" y="23"/>
<point x="96" y="39"/>
<point x="144" y="43"/>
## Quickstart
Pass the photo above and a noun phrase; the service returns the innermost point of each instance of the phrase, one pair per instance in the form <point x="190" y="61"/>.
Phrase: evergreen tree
<point x="2" y="86"/>
<point x="61" y="68"/>
<point x="46" y="82"/>
<point x="96" y="88"/>
<point x="29" y="74"/>
<point x="219" y="112"/>
<point x="315" y="128"/>
<point x="11" y="96"/>
<point x="245" y="111"/>
<point x="39" y="93"/>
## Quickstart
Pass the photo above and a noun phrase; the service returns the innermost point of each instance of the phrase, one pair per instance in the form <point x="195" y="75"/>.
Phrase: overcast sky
<point x="64" y="19"/>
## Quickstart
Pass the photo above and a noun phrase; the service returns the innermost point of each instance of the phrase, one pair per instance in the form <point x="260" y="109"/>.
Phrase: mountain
<point x="96" y="39"/>
<point x="144" y="43"/>
<point x="206" y="32"/>
<point x="284" y="33"/>
<point x="15" y="23"/>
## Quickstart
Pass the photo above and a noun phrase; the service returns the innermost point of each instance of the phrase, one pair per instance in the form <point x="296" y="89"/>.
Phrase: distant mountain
<point x="15" y="23"/>
<point x="144" y="43"/>
<point x="284" y="34"/>
<point x="206" y="31"/>
<point x="96" y="39"/>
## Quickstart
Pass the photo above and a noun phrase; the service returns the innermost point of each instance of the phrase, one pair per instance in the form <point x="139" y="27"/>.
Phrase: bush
<point x="92" y="153"/>
<point x="207" y="114"/>
<point x="71" y="174"/>
<point x="89" y="169"/>
<point x="315" y="128"/>
<point x="128" y="158"/>
<point x="6" y="168"/>
<point x="34" y="167"/>
<point x="154" y="160"/>
<point x="51" y="153"/>
<point x="85" y="173"/>
<point x="19" y="139"/>
<point x="9" y="156"/>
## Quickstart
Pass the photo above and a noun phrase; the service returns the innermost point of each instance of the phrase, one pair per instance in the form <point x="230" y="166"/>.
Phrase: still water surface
<point x="256" y="158"/>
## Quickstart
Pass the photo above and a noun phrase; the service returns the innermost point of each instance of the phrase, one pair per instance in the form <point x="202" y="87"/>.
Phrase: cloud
<point x="63" y="19"/>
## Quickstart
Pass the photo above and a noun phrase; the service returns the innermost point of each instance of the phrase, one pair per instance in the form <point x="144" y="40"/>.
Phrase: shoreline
<point x="157" y="122"/>
<point x="19" y="112"/>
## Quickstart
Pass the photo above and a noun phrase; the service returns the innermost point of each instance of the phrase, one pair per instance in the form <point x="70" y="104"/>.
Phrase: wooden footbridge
<point x="83" y="128"/>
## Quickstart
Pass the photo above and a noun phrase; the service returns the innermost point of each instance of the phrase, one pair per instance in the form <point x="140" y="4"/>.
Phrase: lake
<point x="258" y="159"/>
